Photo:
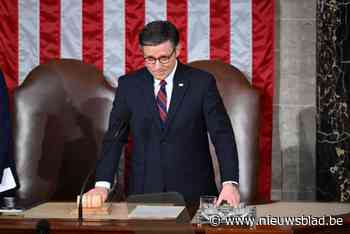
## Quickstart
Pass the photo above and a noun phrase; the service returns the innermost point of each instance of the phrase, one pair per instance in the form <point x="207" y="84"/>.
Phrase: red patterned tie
<point x="161" y="101"/>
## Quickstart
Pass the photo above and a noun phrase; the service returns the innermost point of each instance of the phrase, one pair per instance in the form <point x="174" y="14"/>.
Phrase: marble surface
<point x="332" y="96"/>
<point x="294" y="104"/>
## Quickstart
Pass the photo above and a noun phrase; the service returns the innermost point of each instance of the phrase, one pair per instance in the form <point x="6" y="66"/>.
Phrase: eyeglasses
<point x="162" y="59"/>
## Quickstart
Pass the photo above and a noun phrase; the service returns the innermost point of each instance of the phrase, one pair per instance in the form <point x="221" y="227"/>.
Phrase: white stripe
<point x="28" y="11"/>
<point x="198" y="37"/>
<point x="241" y="36"/>
<point x="114" y="41"/>
<point x="71" y="29"/>
<point x="155" y="10"/>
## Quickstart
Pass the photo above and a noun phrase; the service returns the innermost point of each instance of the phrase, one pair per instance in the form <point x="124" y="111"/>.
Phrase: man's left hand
<point x="229" y="193"/>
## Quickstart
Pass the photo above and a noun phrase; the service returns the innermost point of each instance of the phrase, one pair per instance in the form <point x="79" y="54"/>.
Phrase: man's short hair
<point x="157" y="32"/>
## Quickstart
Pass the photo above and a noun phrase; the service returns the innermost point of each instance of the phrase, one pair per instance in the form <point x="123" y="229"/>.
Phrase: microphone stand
<point x="120" y="130"/>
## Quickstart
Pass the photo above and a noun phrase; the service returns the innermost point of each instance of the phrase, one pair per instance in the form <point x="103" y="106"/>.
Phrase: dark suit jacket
<point x="176" y="157"/>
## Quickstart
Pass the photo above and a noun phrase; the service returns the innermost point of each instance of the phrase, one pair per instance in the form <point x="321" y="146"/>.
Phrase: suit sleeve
<point x="112" y="146"/>
<point x="221" y="132"/>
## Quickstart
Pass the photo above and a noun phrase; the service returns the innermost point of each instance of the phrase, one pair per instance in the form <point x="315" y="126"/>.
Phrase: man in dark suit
<point x="169" y="108"/>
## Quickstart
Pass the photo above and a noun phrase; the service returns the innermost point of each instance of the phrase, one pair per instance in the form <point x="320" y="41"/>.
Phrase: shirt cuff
<point x="103" y="184"/>
<point x="230" y="182"/>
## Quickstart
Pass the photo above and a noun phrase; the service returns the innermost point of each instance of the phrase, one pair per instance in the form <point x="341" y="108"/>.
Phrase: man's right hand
<point x="95" y="197"/>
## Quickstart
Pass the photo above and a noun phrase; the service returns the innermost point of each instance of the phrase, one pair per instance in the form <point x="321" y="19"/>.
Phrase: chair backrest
<point x="60" y="115"/>
<point x="242" y="103"/>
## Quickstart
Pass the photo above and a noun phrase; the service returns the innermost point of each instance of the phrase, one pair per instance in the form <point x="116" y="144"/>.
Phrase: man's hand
<point x="229" y="193"/>
<point x="94" y="198"/>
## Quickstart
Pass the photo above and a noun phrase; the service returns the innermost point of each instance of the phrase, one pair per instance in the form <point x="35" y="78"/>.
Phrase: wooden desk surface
<point x="62" y="221"/>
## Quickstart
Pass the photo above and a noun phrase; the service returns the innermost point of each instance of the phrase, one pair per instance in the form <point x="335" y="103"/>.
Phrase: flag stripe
<point x="263" y="76"/>
<point x="241" y="36"/>
<point x="177" y="14"/>
<point x="71" y="29"/>
<point x="155" y="10"/>
<point x="93" y="32"/>
<point x="220" y="30"/>
<point x="135" y="20"/>
<point x="114" y="41"/>
<point x="49" y="30"/>
<point x="28" y="37"/>
<point x="198" y="30"/>
<point x="9" y="42"/>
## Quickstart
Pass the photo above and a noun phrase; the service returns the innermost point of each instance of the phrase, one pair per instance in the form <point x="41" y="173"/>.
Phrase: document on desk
<point x="156" y="212"/>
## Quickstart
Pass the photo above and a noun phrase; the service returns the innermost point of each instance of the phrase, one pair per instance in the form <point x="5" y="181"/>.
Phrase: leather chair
<point x="60" y="115"/>
<point x="61" y="112"/>
<point x="242" y="104"/>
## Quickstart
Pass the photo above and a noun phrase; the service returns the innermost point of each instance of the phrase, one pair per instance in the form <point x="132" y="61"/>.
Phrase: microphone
<point x="113" y="135"/>
<point x="43" y="227"/>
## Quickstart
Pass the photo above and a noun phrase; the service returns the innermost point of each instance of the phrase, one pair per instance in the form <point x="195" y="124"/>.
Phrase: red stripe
<point x="177" y="14"/>
<point x="162" y="96"/>
<point x="263" y="77"/>
<point x="162" y="113"/>
<point x="9" y="43"/>
<point x="220" y="30"/>
<point x="93" y="32"/>
<point x="134" y="22"/>
<point x="161" y="107"/>
<point x="49" y="29"/>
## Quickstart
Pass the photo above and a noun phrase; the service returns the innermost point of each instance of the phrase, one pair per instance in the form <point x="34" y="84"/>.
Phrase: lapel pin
<point x="181" y="84"/>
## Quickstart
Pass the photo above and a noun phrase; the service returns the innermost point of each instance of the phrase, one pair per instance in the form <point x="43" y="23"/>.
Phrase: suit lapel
<point x="180" y="86"/>
<point x="147" y="89"/>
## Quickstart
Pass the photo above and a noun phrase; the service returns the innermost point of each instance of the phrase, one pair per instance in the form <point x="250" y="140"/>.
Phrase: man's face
<point x="160" y="59"/>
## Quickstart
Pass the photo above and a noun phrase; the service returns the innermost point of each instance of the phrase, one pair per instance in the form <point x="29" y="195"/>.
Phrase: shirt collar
<point x="169" y="79"/>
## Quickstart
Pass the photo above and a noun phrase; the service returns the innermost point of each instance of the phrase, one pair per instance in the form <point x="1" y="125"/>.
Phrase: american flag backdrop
<point x="105" y="33"/>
